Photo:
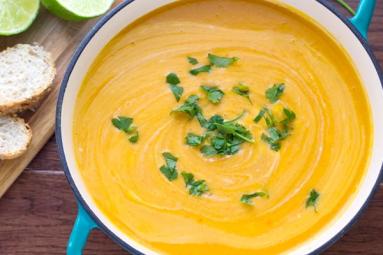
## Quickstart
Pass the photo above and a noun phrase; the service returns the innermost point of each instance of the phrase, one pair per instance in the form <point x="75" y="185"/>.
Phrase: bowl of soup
<point x="222" y="126"/>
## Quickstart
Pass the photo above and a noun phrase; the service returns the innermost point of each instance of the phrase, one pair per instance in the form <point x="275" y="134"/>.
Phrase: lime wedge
<point x="17" y="15"/>
<point x="77" y="9"/>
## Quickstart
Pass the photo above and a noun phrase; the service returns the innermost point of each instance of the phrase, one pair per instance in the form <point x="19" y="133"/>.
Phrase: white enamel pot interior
<point x="127" y="12"/>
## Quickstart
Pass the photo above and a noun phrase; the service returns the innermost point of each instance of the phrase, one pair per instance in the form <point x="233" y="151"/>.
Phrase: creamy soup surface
<point x="328" y="147"/>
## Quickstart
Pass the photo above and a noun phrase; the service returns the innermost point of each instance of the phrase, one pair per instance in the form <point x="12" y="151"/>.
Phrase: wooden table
<point x="37" y="213"/>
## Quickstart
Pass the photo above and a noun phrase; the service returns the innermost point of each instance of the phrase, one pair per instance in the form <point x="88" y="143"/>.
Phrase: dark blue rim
<point x="64" y="83"/>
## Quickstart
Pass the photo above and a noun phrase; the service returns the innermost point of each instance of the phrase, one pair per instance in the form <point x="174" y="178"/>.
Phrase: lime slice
<point x="77" y="9"/>
<point x="17" y="15"/>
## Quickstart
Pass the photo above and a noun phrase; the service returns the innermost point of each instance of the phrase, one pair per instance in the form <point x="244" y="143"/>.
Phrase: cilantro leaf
<point x="275" y="92"/>
<point x="247" y="198"/>
<point x="169" y="170"/>
<point x="268" y="116"/>
<point x="243" y="91"/>
<point x="276" y="131"/>
<point x="221" y="61"/>
<point x="123" y="123"/>
<point x="215" y="119"/>
<point x="225" y="137"/>
<point x="238" y="117"/>
<point x="170" y="160"/>
<point x="134" y="138"/>
<point x="201" y="119"/>
<point x="274" y="145"/>
<point x="235" y="129"/>
<point x="202" y="69"/>
<point x="190" y="107"/>
<point x="312" y="200"/>
<point x="214" y="94"/>
<point x="173" y="81"/>
<point x="275" y="136"/>
<point x="188" y="178"/>
<point x="270" y="119"/>
<point x="260" y="115"/>
<point x="194" y="140"/>
<point x="208" y="150"/>
<point x="170" y="173"/>
<point x="218" y="143"/>
<point x="177" y="91"/>
<point x="290" y="117"/>
<point x="192" y="60"/>
<point x="196" y="188"/>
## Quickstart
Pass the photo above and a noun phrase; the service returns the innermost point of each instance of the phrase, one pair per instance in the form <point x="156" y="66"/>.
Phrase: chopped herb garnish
<point x="274" y="138"/>
<point x="192" y="60"/>
<point x="290" y="117"/>
<point x="214" y="94"/>
<point x="269" y="119"/>
<point x="170" y="160"/>
<point x="201" y="119"/>
<point x="134" y="138"/>
<point x="275" y="92"/>
<point x="215" y="119"/>
<point x="190" y="107"/>
<point x="125" y="124"/>
<point x="247" y="198"/>
<point x="202" y="69"/>
<point x="312" y="200"/>
<point x="173" y="81"/>
<point x="238" y="117"/>
<point x="170" y="173"/>
<point x="196" y="188"/>
<point x="243" y="91"/>
<point x="236" y="130"/>
<point x="208" y="150"/>
<point x="177" y="91"/>
<point x="225" y="136"/>
<point x="194" y="140"/>
<point x="260" y="115"/>
<point x="221" y="61"/>
<point x="169" y="170"/>
<point x="276" y="131"/>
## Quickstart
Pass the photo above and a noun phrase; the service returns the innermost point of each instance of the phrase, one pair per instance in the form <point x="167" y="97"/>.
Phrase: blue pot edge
<point x="76" y="192"/>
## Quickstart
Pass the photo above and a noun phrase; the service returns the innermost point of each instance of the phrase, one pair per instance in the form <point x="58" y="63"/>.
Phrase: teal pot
<point x="350" y="33"/>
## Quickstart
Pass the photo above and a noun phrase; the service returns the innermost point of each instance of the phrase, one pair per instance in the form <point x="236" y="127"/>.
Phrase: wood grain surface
<point x="37" y="212"/>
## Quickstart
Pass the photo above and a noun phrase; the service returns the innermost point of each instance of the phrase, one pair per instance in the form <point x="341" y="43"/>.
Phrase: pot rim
<point x="89" y="36"/>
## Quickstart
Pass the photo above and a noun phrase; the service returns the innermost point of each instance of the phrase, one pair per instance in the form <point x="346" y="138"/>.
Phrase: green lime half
<point x="77" y="9"/>
<point x="17" y="15"/>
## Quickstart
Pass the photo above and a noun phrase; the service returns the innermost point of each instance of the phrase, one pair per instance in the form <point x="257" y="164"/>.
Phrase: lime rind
<point x="77" y="10"/>
<point x="16" y="16"/>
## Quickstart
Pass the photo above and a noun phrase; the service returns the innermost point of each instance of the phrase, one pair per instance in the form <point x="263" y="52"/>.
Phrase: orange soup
<point x="256" y="161"/>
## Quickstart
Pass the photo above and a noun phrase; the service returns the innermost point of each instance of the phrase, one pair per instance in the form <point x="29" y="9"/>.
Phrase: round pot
<point x="351" y="34"/>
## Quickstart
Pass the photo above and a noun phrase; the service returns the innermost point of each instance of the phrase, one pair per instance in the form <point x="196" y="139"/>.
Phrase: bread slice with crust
<point x="15" y="136"/>
<point x="26" y="76"/>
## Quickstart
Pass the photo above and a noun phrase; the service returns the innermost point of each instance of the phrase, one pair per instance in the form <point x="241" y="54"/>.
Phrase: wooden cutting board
<point x="60" y="38"/>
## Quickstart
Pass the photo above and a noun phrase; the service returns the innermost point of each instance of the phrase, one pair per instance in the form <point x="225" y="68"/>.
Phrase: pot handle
<point x="83" y="225"/>
<point x="363" y="16"/>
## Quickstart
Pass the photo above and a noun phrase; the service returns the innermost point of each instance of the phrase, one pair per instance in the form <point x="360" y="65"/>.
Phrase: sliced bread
<point x="26" y="76"/>
<point x="15" y="137"/>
